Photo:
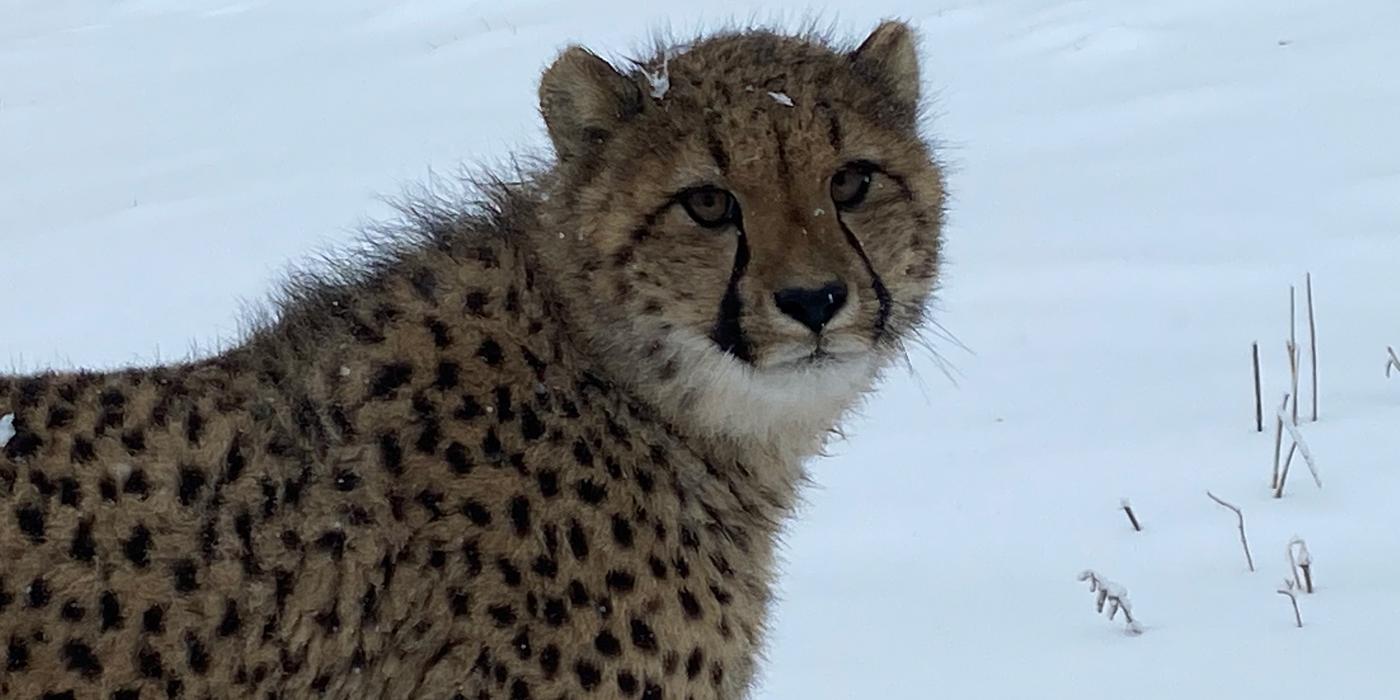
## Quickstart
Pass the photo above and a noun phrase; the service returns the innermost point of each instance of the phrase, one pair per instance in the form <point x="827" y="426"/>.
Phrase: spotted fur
<point x="538" y="447"/>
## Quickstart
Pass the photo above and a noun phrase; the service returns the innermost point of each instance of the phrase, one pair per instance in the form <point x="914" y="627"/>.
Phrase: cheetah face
<point x="760" y="211"/>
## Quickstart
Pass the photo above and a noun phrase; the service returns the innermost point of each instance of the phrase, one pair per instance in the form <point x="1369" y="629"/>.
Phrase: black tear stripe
<point x="882" y="294"/>
<point x="727" y="333"/>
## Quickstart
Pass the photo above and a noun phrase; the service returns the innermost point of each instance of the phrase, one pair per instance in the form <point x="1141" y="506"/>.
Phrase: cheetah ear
<point x="583" y="100"/>
<point x="889" y="56"/>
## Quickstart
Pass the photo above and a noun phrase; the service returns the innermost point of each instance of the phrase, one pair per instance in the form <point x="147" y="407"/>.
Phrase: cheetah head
<point x="749" y="224"/>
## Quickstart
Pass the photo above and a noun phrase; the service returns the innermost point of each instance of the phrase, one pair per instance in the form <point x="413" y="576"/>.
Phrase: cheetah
<point x="539" y="444"/>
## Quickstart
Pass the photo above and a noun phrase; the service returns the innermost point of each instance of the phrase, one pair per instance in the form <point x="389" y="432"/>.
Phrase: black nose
<point x="813" y="308"/>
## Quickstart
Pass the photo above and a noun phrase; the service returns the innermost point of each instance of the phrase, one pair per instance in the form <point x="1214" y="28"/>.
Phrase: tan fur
<point x="505" y="457"/>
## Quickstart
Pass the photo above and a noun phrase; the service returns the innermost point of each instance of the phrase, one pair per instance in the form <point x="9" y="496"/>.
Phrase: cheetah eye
<point x="710" y="207"/>
<point x="850" y="184"/>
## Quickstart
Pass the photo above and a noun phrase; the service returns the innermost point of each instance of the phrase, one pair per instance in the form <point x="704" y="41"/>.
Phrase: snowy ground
<point x="1136" y="186"/>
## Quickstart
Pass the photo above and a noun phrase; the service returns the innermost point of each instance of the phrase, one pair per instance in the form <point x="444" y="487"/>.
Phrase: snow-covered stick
<point x="1239" y="515"/>
<point x="1258" y="397"/>
<point x="1288" y="591"/>
<point x="1300" y="560"/>
<point x="1312" y="342"/>
<point x="1391" y="362"/>
<point x="1293" y="346"/>
<point x="1283" y="475"/>
<point x="1278" y="443"/>
<point x="1127" y="507"/>
<point x="1297" y="437"/>
<point x="1114" y="597"/>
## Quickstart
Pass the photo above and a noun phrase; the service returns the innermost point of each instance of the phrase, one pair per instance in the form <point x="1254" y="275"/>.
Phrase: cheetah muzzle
<point x="536" y="446"/>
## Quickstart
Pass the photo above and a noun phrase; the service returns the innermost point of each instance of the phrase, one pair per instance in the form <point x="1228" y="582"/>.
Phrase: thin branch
<point x="1278" y="443"/>
<point x="1258" y="397"/>
<point x="1312" y="341"/>
<point x="1293" y="346"/>
<point x="1127" y="507"/>
<point x="1244" y="541"/>
<point x="1297" y="436"/>
<point x="1288" y="591"/>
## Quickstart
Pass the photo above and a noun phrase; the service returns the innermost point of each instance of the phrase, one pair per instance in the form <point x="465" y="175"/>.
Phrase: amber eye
<point x="710" y="207"/>
<point x="850" y="184"/>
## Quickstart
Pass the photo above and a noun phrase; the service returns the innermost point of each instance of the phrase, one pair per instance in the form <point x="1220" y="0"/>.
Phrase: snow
<point x="1135" y="188"/>
<point x="7" y="428"/>
<point x="781" y="98"/>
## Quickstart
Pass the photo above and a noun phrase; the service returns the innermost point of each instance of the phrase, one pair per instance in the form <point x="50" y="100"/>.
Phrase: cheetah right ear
<point x="583" y="100"/>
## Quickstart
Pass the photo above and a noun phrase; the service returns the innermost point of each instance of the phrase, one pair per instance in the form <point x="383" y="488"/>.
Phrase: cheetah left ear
<point x="889" y="56"/>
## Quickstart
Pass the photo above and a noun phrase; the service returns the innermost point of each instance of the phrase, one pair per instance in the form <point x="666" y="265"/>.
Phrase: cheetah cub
<point x="538" y="447"/>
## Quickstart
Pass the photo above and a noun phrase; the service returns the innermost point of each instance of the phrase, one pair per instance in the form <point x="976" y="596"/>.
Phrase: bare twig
<point x="1132" y="517"/>
<point x="1112" y="595"/>
<point x="1244" y="541"/>
<point x="1278" y="443"/>
<point x="1258" y="398"/>
<point x="1312" y="342"/>
<point x="1293" y="347"/>
<point x="1300" y="560"/>
<point x="1391" y="362"/>
<point x="1288" y="591"/>
<point x="1297" y="437"/>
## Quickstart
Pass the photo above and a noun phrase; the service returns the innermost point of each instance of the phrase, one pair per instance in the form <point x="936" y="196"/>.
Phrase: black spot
<point x="607" y="644"/>
<point x="17" y="656"/>
<point x="332" y="542"/>
<point x="191" y="481"/>
<point x="721" y="596"/>
<point x="148" y="663"/>
<point x="196" y="654"/>
<point x="694" y="663"/>
<point x="234" y="462"/>
<point x="578" y="541"/>
<point x="65" y="695"/>
<point x="549" y="660"/>
<point x="437" y="559"/>
<point x="329" y="620"/>
<point x="658" y="567"/>
<point x="504" y="615"/>
<point x="429" y="437"/>
<point x="555" y="613"/>
<point x="111" y="611"/>
<point x="519" y="690"/>
<point x="459" y="601"/>
<point x="134" y="441"/>
<point x="69" y="492"/>
<point x="476" y="512"/>
<point x="476" y="302"/>
<point x="80" y="658"/>
<point x="546" y="566"/>
<point x="107" y="488"/>
<point x="620" y="581"/>
<point x="431" y="502"/>
<point x="127" y="694"/>
<point x="194" y="426"/>
<point x="184" y="574"/>
<point x="137" y="485"/>
<point x="578" y="595"/>
<point x="622" y="531"/>
<point x="505" y="410"/>
<point x="469" y="409"/>
<point x="588" y="675"/>
<point x="652" y="692"/>
<point x="520" y="515"/>
<point x="510" y="574"/>
<point x="591" y="492"/>
<point x="82" y="452"/>
<point x="31" y="522"/>
<point x="59" y="417"/>
<point x="448" y="374"/>
<point x="320" y="683"/>
<point x="457" y="459"/>
<point x="391" y="453"/>
<point x="521" y="644"/>
<point x="491" y="446"/>
<point x="682" y="567"/>
<point x="39" y="594"/>
<point x="346" y="480"/>
<point x="549" y="482"/>
<point x="627" y="683"/>
<point x="153" y="620"/>
<point x="389" y="378"/>
<point x="642" y="636"/>
<point x="231" y="622"/>
<point x="490" y="352"/>
<point x="83" y="546"/>
<point x="582" y="454"/>
<point x="23" y="444"/>
<point x="72" y="612"/>
<point x="689" y="604"/>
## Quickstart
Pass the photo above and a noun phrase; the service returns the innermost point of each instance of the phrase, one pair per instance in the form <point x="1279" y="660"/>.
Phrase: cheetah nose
<point x="813" y="308"/>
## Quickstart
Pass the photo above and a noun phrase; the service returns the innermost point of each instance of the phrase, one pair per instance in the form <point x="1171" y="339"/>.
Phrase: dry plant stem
<point x="1299" y="561"/>
<point x="1303" y="450"/>
<point x="1244" y="541"/>
<point x="1392" y="362"/>
<point x="1293" y="346"/>
<point x="1278" y="444"/>
<point x="1132" y="518"/>
<point x="1297" y="616"/>
<point x="1307" y="577"/>
<point x="1258" y="397"/>
<point x="1312" y="342"/>
<point x="1283" y="475"/>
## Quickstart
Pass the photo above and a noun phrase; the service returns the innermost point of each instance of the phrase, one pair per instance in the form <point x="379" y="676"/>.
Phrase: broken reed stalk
<point x="1278" y="443"/>
<point x="1300" y="562"/>
<point x="1132" y="517"/>
<point x="1258" y="397"/>
<point x="1293" y="347"/>
<point x="1114" y="596"/>
<point x="1312" y="342"/>
<point x="1391" y="362"/>
<point x="1244" y="541"/>
<point x="1302" y="445"/>
<point x="1297" y="616"/>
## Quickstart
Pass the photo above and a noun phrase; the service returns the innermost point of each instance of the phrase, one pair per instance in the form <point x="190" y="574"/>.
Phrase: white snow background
<point x="1135" y="187"/>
